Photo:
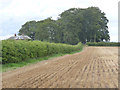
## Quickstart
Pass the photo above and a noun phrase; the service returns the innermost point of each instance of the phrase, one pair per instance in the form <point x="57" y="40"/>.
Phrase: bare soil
<point x="94" y="67"/>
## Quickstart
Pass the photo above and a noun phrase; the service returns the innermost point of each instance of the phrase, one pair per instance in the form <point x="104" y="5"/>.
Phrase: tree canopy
<point x="73" y="26"/>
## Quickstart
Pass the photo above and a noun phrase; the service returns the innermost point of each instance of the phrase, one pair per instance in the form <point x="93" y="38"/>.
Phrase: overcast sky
<point x="14" y="13"/>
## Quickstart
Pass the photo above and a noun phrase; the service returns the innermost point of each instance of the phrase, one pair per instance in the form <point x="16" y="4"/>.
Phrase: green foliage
<point x="74" y="25"/>
<point x="0" y="52"/>
<point x="103" y="44"/>
<point x="14" y="51"/>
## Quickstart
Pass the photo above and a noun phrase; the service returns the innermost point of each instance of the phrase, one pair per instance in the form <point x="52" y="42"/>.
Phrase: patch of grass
<point x="76" y="51"/>
<point x="11" y="66"/>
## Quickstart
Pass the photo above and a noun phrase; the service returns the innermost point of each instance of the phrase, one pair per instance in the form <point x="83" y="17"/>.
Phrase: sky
<point x="14" y="13"/>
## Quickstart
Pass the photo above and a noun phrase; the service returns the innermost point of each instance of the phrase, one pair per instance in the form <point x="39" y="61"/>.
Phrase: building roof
<point x="20" y="37"/>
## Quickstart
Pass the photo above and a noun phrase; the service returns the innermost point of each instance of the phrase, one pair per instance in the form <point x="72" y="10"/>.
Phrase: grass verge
<point x="11" y="66"/>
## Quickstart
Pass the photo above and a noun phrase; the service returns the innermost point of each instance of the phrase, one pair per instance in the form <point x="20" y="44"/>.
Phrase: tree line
<point x="73" y="25"/>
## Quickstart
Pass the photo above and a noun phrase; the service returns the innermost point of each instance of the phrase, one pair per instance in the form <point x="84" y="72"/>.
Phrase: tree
<point x="74" y="25"/>
<point x="29" y="28"/>
<point x="96" y="25"/>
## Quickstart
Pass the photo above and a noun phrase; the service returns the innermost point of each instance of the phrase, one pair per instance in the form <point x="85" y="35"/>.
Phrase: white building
<point x="19" y="37"/>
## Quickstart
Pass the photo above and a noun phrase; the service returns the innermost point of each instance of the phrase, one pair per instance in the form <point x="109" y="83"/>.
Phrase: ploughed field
<point x="94" y="67"/>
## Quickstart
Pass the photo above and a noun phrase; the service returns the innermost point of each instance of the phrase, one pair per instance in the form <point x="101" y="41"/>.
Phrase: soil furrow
<point x="94" y="67"/>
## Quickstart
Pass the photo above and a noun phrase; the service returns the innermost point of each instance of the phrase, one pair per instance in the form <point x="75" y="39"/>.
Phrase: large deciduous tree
<point x="73" y="26"/>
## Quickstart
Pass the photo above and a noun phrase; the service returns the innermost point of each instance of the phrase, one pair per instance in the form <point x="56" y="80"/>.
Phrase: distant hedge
<point x="103" y="44"/>
<point x="14" y="51"/>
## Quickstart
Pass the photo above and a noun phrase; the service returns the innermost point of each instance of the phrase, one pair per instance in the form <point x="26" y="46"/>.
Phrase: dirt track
<point x="94" y="67"/>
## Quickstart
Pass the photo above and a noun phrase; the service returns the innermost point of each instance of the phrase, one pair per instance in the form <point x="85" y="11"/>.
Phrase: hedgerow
<point x="103" y="44"/>
<point x="14" y="51"/>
